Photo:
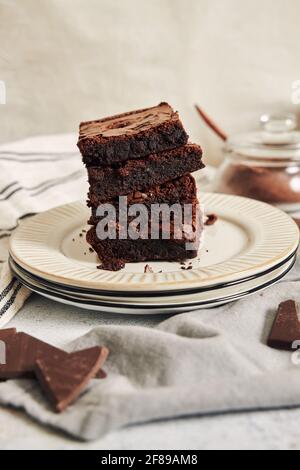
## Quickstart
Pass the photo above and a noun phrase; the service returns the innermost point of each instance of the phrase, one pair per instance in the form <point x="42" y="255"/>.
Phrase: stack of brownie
<point x="145" y="156"/>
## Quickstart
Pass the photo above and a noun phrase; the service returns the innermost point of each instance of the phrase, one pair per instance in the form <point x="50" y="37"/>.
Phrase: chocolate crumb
<point x="148" y="269"/>
<point x="73" y="239"/>
<point x="80" y="235"/>
<point x="186" y="268"/>
<point x="91" y="250"/>
<point x="112" y="265"/>
<point x="211" y="219"/>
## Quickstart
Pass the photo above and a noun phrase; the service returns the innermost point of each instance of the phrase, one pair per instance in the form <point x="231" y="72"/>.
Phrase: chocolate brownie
<point x="178" y="221"/>
<point x="182" y="190"/>
<point x="130" y="135"/>
<point x="139" y="175"/>
<point x="113" y="254"/>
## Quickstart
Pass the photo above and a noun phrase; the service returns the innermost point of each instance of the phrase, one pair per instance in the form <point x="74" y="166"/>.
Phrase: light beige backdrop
<point x="64" y="61"/>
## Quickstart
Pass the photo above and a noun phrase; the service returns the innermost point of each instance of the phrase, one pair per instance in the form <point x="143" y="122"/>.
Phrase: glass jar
<point x="264" y="165"/>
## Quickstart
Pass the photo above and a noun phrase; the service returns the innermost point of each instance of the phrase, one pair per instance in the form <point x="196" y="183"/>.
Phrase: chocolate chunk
<point x="186" y="268"/>
<point x="148" y="269"/>
<point x="22" y="350"/>
<point x="64" y="379"/>
<point x="111" y="264"/>
<point x="211" y="219"/>
<point x="101" y="374"/>
<point x="286" y="327"/>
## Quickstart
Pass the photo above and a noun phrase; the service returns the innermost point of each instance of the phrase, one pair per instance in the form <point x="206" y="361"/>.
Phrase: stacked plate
<point x="250" y="247"/>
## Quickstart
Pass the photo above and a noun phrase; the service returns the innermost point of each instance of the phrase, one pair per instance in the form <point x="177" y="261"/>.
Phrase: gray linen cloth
<point x="205" y="362"/>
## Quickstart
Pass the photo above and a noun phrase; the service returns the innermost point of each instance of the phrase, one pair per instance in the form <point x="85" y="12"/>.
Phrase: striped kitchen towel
<point x="35" y="174"/>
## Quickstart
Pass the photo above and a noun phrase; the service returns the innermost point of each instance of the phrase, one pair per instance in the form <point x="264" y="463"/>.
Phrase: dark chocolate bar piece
<point x="130" y="135"/>
<point x="140" y="175"/>
<point x="62" y="380"/>
<point x="286" y="328"/>
<point x="22" y="351"/>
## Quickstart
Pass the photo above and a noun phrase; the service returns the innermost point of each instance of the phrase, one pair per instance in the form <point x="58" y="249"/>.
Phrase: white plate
<point x="248" y="238"/>
<point x="203" y="294"/>
<point x="185" y="303"/>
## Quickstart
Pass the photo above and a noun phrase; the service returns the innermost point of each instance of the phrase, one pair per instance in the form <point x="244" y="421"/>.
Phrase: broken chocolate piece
<point x="286" y="328"/>
<point x="111" y="264"/>
<point x="148" y="269"/>
<point x="101" y="374"/>
<point x="22" y="350"/>
<point x="63" y="380"/>
<point x="211" y="219"/>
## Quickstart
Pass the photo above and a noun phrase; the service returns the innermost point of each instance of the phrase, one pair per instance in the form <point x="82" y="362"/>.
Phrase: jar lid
<point x="278" y="139"/>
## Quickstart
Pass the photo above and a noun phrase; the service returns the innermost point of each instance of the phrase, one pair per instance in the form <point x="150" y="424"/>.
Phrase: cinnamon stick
<point x="220" y="133"/>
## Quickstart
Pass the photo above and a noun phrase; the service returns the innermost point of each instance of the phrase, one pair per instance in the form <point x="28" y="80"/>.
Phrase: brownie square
<point x="182" y="190"/>
<point x="172" y="238"/>
<point x="115" y="253"/>
<point x="130" y="135"/>
<point x="140" y="175"/>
